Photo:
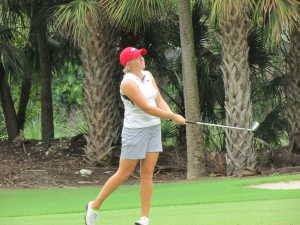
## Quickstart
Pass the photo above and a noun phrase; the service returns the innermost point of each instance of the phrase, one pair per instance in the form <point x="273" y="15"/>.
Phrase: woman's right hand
<point x="179" y="119"/>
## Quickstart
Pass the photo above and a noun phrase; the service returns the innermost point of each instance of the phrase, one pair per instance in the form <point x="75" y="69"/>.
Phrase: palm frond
<point x="135" y="14"/>
<point x="273" y="128"/>
<point x="168" y="130"/>
<point x="67" y="50"/>
<point x="200" y="15"/>
<point x="266" y="79"/>
<point x="12" y="12"/>
<point x="268" y="89"/>
<point x="165" y="62"/>
<point x="154" y="44"/>
<point x="172" y="71"/>
<point x="211" y="90"/>
<point x="223" y="9"/>
<point x="15" y="63"/>
<point x="260" y="60"/>
<point x="61" y="51"/>
<point x="213" y="138"/>
<point x="6" y="33"/>
<point x="42" y="17"/>
<point x="33" y="128"/>
<point x="75" y="124"/>
<point x="277" y="16"/>
<point x="76" y="18"/>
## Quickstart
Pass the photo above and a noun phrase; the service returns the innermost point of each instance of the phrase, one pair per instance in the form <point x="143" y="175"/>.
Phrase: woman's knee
<point x="147" y="173"/>
<point x="124" y="175"/>
<point x="125" y="169"/>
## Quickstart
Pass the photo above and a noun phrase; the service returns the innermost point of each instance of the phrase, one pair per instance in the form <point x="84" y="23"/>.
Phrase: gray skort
<point x="136" y="142"/>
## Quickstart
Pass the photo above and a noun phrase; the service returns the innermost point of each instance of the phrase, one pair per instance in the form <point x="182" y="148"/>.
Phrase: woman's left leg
<point x="147" y="167"/>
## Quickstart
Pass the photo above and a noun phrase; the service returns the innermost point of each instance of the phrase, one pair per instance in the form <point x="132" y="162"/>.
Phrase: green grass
<point x="271" y="212"/>
<point x="226" y="201"/>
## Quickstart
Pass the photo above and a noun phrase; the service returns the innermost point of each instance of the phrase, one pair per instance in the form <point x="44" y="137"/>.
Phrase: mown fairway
<point x="201" y="202"/>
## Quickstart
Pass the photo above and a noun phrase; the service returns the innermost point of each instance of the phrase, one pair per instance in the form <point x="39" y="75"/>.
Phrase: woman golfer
<point x="141" y="134"/>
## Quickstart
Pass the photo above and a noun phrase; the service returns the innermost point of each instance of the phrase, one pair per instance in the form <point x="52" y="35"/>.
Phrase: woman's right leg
<point x="125" y="169"/>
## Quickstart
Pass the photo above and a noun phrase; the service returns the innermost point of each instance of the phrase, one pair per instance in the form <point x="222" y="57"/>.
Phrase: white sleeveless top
<point x="135" y="117"/>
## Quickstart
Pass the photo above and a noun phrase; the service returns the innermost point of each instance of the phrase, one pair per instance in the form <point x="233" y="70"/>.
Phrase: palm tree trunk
<point x="195" y="155"/>
<point x="236" y="74"/>
<point x="46" y="92"/>
<point x="293" y="90"/>
<point x="101" y="104"/>
<point x="8" y="108"/>
<point x="24" y="99"/>
<point x="26" y="81"/>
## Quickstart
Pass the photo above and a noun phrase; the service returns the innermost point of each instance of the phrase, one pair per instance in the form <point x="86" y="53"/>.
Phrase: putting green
<point x="281" y="212"/>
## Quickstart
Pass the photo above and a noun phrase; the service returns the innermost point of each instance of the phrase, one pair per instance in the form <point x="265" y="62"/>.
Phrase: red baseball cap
<point x="131" y="53"/>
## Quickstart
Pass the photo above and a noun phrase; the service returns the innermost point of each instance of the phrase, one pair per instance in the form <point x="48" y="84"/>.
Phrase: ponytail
<point x="127" y="69"/>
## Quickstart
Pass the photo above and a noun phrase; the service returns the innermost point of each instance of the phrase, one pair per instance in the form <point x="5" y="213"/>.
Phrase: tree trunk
<point x="26" y="81"/>
<point x="236" y="74"/>
<point x="293" y="91"/>
<point x="195" y="155"/>
<point x="24" y="99"/>
<point x="8" y="107"/>
<point x="101" y="104"/>
<point x="46" y="93"/>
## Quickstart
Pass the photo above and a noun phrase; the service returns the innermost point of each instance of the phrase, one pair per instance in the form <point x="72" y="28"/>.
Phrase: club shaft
<point x="216" y="125"/>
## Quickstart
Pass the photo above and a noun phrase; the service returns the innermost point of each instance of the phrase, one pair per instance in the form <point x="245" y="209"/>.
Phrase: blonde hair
<point x="127" y="68"/>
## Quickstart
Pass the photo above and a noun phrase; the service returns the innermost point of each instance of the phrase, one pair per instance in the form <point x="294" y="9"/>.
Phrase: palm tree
<point x="236" y="72"/>
<point x="46" y="76"/>
<point x="293" y="90"/>
<point x="95" y="36"/>
<point x="13" y="65"/>
<point x="287" y="14"/>
<point x="165" y="57"/>
<point x="266" y="90"/>
<point x="8" y="106"/>
<point x="13" y="18"/>
<point x="88" y="22"/>
<point x="195" y="154"/>
<point x="196" y="167"/>
<point x="100" y="92"/>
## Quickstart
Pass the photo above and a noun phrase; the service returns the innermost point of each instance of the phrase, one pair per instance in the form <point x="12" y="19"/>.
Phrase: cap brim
<point x="138" y="53"/>
<point x="143" y="51"/>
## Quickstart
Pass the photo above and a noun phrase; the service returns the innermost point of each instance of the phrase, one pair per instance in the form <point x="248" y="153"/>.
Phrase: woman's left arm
<point x="160" y="102"/>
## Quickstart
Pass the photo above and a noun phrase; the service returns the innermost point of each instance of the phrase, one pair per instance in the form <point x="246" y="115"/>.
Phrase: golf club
<point x="253" y="127"/>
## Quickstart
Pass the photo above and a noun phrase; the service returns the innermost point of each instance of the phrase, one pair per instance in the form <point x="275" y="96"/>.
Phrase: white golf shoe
<point x="91" y="216"/>
<point x="143" y="221"/>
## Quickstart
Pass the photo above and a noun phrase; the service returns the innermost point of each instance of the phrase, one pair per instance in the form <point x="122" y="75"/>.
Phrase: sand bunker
<point x="279" y="185"/>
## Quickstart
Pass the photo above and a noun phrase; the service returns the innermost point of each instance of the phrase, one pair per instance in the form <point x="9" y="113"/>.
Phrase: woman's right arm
<point x="131" y="89"/>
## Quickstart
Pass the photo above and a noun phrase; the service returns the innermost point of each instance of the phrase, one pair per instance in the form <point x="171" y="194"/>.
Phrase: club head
<point x="254" y="126"/>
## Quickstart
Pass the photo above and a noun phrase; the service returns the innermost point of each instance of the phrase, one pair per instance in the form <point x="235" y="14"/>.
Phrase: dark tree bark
<point x="8" y="107"/>
<point x="46" y="93"/>
<point x="26" y="81"/>
<point x="24" y="99"/>
<point x="195" y="155"/>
